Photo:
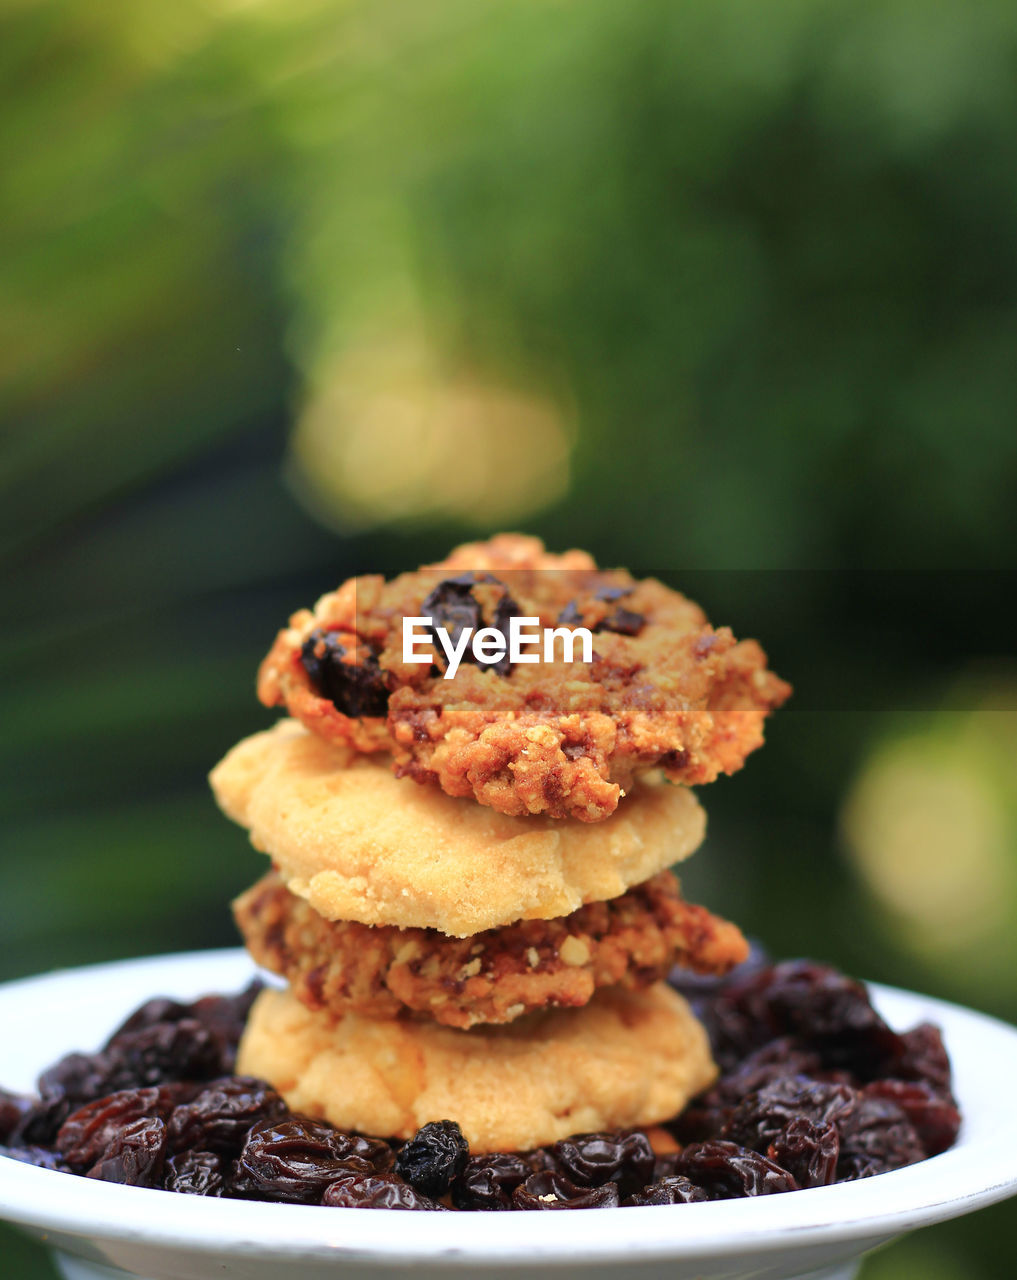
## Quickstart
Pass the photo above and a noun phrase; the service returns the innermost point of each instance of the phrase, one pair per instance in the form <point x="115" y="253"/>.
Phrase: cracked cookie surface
<point x="664" y="688"/>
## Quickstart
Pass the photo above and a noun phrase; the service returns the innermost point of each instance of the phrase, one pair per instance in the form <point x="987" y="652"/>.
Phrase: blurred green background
<point x="724" y="290"/>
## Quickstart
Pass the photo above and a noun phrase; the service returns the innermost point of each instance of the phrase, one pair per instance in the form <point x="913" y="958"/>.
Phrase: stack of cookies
<point x="469" y="899"/>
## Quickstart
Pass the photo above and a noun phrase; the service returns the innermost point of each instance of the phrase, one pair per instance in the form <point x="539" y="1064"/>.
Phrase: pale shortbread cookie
<point x="627" y="1060"/>
<point x="360" y="844"/>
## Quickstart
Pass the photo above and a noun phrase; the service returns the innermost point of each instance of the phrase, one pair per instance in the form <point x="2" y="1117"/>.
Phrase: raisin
<point x="376" y="1191"/>
<point x="591" y="1159"/>
<point x="165" y="1051"/>
<point x="39" y="1156"/>
<point x="626" y="622"/>
<point x="296" y="1158"/>
<point x="924" y="1058"/>
<point x="772" y="1063"/>
<point x="453" y="606"/>
<point x="158" y="1009"/>
<point x="136" y="1155"/>
<point x="704" y="1118"/>
<point x="195" y="1173"/>
<point x="827" y="1011"/>
<point x="761" y="1117"/>
<point x="223" y="1016"/>
<point x="726" y="1171"/>
<point x="935" y="1119"/>
<point x="808" y="1151"/>
<point x="87" y="1132"/>
<point x="14" y="1108"/>
<point x="551" y="1190"/>
<point x="541" y="1160"/>
<point x="356" y="688"/>
<point x="434" y="1157"/>
<point x="672" y="1190"/>
<point x="877" y="1136"/>
<point x="221" y="1115"/>
<point x="664" y="1166"/>
<point x="702" y="989"/>
<point x="487" y="1182"/>
<point x="78" y="1078"/>
<point x="40" y="1124"/>
<point x="226" y="1017"/>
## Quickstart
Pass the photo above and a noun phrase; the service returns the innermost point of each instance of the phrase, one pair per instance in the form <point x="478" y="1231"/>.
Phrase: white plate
<point x="153" y="1234"/>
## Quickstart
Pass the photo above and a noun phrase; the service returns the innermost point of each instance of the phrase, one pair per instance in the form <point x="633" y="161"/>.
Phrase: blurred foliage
<point x="723" y="290"/>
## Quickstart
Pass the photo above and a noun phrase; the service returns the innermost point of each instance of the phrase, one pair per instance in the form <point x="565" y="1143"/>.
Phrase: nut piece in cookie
<point x="493" y="977"/>
<point x="565" y="738"/>
<point x="628" y="1059"/>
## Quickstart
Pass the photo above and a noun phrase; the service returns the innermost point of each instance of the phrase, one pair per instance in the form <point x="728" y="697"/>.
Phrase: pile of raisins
<point x="815" y="1088"/>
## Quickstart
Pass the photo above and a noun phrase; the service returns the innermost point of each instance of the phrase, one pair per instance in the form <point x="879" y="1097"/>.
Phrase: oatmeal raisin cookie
<point x="664" y="688"/>
<point x="493" y="977"/>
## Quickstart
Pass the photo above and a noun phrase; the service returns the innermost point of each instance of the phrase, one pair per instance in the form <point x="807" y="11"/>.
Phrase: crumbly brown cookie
<point x="561" y="738"/>
<point x="628" y="1059"/>
<point x="493" y="977"/>
<point x="359" y="844"/>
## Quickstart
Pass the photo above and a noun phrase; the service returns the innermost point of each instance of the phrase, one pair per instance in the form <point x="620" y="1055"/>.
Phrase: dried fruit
<point x="726" y="1171"/>
<point x="357" y="687"/>
<point x="877" y="1136"/>
<point x="454" y="606"/>
<point x="295" y="1158"/>
<point x="195" y="1173"/>
<point x="165" y="1051"/>
<point x="487" y="1182"/>
<point x="226" y="1017"/>
<point x="672" y="1190"/>
<point x="14" y="1107"/>
<point x="551" y="1190"/>
<point x="591" y="1159"/>
<point x="625" y="622"/>
<point x="924" y="1058"/>
<point x="158" y="1009"/>
<point x="376" y="1191"/>
<point x="808" y="1151"/>
<point x="78" y="1078"/>
<point x="763" y="1116"/>
<point x="87" y="1133"/>
<point x="664" y="1165"/>
<point x="774" y="1062"/>
<point x="828" y="1012"/>
<point x="434" y="1157"/>
<point x="221" y="1115"/>
<point x="936" y="1120"/>
<point x="136" y="1155"/>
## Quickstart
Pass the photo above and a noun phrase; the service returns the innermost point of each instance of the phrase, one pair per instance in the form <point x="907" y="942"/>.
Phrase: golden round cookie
<point x="627" y="1060"/>
<point x="359" y="844"/>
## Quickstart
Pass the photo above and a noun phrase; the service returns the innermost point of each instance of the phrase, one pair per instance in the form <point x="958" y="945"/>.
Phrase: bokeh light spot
<point x="928" y="833"/>
<point x="387" y="437"/>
